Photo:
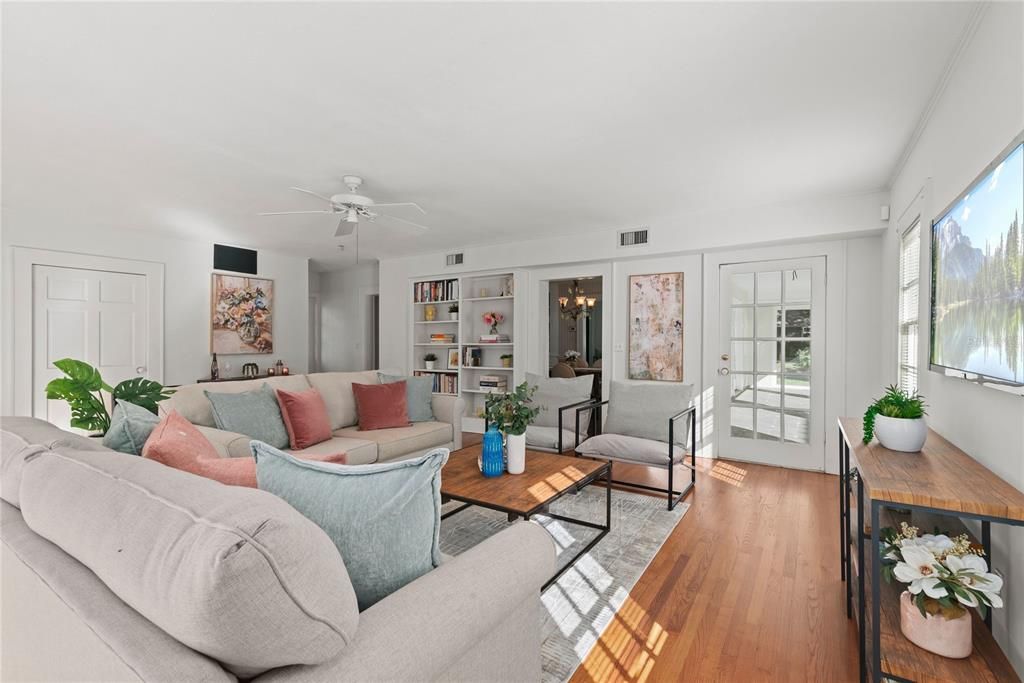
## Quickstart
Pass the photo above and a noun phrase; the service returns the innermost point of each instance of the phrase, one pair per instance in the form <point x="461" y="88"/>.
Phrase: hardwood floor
<point x="746" y="588"/>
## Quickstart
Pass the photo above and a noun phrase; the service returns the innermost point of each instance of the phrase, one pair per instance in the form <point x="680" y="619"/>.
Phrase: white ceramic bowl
<point x="898" y="434"/>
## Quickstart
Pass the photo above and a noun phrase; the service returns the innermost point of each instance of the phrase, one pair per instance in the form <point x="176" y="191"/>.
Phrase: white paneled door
<point x="770" y="388"/>
<point x="92" y="315"/>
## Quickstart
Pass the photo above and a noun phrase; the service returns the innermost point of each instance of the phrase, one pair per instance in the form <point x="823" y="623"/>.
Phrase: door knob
<point x="140" y="369"/>
<point x="725" y="356"/>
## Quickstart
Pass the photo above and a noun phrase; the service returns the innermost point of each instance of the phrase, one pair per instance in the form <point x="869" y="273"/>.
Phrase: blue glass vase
<point x="492" y="455"/>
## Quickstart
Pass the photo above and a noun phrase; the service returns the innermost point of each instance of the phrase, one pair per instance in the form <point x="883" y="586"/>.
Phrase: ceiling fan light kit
<point x="352" y="206"/>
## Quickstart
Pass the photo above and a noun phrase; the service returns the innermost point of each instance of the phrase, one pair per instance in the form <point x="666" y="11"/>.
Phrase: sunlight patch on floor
<point x="730" y="474"/>
<point x="629" y="646"/>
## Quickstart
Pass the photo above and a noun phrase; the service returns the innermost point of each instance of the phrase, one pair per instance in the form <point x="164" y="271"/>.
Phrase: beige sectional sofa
<point x="118" y="568"/>
<point x="336" y="388"/>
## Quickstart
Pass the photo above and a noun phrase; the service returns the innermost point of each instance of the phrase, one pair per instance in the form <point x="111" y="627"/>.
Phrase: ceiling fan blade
<point x="315" y="194"/>
<point x="418" y="207"/>
<point x="402" y="220"/>
<point x="288" y="213"/>
<point x="344" y="228"/>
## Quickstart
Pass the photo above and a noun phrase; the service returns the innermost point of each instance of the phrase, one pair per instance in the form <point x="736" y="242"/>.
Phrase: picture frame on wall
<point x="655" y="327"/>
<point x="453" y="359"/>
<point x="241" y="314"/>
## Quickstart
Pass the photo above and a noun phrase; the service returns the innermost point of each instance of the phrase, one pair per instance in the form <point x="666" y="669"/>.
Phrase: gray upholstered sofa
<point x="336" y="388"/>
<point x="114" y="567"/>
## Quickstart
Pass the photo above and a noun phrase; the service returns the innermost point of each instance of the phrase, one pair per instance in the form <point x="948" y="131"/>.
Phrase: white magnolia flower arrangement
<point x="945" y="575"/>
<point x="572" y="355"/>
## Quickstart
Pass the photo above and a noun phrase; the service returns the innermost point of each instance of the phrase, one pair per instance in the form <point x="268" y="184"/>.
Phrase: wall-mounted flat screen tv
<point x="977" y="325"/>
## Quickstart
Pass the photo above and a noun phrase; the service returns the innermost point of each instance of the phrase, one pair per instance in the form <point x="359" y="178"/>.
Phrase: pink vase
<point x="933" y="632"/>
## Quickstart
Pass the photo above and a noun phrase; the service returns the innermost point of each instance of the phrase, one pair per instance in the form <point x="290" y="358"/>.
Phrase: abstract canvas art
<point x="241" y="315"/>
<point x="656" y="327"/>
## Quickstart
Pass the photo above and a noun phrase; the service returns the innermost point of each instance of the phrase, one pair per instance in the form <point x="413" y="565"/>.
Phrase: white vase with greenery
<point x="512" y="413"/>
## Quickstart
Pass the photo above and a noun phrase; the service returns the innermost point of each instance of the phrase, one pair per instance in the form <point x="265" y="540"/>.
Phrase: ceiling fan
<point x="353" y="206"/>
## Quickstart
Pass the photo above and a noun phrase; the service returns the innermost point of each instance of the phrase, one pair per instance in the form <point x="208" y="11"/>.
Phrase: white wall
<point x="979" y="113"/>
<point x="187" y="269"/>
<point x="345" y="333"/>
<point x="692" y="233"/>
<point x="844" y="220"/>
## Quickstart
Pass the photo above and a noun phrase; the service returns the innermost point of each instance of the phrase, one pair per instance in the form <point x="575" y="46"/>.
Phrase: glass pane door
<point x="769" y="314"/>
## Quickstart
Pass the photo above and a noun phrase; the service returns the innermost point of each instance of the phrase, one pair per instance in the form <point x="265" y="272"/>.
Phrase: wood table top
<point x="547" y="476"/>
<point x="941" y="476"/>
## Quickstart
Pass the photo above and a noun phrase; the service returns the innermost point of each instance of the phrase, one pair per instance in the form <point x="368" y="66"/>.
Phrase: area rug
<point x="585" y="599"/>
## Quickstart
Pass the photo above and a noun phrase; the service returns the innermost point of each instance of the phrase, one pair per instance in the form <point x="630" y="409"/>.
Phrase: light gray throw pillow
<point x="254" y="413"/>
<point x="643" y="409"/>
<point x="554" y="392"/>
<point x="418" y="395"/>
<point x="130" y="426"/>
<point x="384" y="518"/>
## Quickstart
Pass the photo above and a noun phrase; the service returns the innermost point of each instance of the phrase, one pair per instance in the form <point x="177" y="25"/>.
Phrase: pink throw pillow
<point x="175" y="442"/>
<point x="305" y="417"/>
<point x="381" y="406"/>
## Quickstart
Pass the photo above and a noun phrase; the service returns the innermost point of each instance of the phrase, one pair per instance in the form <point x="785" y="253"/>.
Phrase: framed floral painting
<point x="656" y="327"/>
<point x="241" y="315"/>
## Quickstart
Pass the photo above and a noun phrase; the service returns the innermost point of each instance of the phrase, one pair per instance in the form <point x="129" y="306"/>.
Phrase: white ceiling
<point x="505" y="121"/>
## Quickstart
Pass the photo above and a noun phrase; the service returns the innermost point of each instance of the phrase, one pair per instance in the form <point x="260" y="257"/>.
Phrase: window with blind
<point x="910" y="271"/>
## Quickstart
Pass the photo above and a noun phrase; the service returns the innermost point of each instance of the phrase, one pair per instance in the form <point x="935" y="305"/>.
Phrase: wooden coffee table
<point x="547" y="478"/>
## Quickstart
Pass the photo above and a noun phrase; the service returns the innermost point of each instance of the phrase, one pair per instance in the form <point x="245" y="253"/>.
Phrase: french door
<point x="769" y="390"/>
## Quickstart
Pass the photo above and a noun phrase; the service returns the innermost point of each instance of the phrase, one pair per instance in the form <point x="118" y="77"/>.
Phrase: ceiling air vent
<point x="454" y="259"/>
<point x="633" y="238"/>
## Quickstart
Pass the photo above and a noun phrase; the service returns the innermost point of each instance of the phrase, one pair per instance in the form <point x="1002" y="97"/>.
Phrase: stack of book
<point x="442" y="338"/>
<point x="494" y="339"/>
<point x="494" y="383"/>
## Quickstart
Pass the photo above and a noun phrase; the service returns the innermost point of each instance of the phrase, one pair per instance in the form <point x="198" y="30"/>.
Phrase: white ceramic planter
<point x="429" y="364"/>
<point x="453" y="316"/>
<point x="946" y="637"/>
<point x="898" y="434"/>
<point x="516" y="452"/>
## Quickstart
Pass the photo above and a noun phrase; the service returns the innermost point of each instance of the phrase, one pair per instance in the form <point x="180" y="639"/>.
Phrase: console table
<point x="934" y="488"/>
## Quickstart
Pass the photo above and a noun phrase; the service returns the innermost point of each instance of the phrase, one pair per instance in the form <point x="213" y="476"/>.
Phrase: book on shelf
<point x="435" y="290"/>
<point x="494" y="339"/>
<point x="443" y="383"/>
<point x="442" y="338"/>
<point x="472" y="357"/>
<point x="492" y="378"/>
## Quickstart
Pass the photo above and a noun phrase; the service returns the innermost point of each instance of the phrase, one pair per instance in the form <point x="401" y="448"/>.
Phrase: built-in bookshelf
<point x="470" y="359"/>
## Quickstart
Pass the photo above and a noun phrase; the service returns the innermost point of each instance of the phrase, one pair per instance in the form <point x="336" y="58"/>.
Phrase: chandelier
<point x="582" y="304"/>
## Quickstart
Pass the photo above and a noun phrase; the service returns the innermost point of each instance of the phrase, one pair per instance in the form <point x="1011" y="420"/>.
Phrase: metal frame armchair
<point x="673" y="496"/>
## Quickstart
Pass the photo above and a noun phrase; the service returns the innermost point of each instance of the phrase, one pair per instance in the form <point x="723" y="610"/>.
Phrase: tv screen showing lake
<point x="978" y="271"/>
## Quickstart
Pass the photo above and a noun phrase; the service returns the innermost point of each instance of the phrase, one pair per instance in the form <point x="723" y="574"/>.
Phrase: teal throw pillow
<point x="130" y="426"/>
<point x="418" y="395"/>
<point x="254" y="413"/>
<point x="385" y="518"/>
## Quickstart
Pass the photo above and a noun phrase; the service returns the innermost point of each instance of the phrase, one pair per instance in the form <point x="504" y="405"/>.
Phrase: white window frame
<point x="908" y="373"/>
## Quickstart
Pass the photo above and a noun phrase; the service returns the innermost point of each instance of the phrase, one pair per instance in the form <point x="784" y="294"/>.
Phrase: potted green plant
<point x="897" y="419"/>
<point x="429" y="360"/>
<point x="82" y="388"/>
<point x="453" y="312"/>
<point x="512" y="413"/>
<point x="506" y="360"/>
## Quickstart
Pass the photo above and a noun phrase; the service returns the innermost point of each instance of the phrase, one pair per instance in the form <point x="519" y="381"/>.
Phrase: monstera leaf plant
<point x="82" y="387"/>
